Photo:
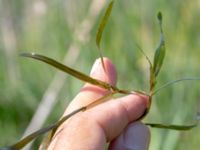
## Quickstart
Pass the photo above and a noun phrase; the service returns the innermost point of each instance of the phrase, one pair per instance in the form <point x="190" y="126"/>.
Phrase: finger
<point x="136" y="136"/>
<point x="103" y="122"/>
<point x="114" y="115"/>
<point x="91" y="129"/>
<point x="89" y="92"/>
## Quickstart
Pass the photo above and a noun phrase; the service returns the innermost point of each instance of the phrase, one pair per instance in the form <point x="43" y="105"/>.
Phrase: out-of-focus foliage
<point x="47" y="27"/>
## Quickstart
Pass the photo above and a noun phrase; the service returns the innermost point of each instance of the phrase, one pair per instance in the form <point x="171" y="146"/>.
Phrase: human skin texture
<point x="114" y="122"/>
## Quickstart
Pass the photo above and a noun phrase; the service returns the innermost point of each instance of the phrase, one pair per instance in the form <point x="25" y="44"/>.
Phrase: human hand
<point x="112" y="122"/>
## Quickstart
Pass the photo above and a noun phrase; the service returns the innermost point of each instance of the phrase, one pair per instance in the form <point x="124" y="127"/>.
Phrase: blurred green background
<point x="65" y="30"/>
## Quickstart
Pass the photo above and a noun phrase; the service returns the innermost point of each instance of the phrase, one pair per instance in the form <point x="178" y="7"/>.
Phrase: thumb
<point x="89" y="92"/>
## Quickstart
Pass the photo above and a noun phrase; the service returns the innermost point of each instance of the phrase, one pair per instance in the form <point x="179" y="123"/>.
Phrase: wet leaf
<point x="160" y="51"/>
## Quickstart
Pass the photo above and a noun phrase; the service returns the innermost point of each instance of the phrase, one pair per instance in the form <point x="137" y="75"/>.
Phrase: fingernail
<point x="98" y="72"/>
<point x="96" y="66"/>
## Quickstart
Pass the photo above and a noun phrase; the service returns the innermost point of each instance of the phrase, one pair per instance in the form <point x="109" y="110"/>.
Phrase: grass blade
<point x="174" y="82"/>
<point x="103" y="24"/>
<point x="101" y="28"/>
<point x="73" y="72"/>
<point x="160" y="51"/>
<point x="172" y="127"/>
<point x="53" y="127"/>
<point x="100" y="100"/>
<point x="144" y="54"/>
<point x="19" y="145"/>
<point x="77" y="74"/>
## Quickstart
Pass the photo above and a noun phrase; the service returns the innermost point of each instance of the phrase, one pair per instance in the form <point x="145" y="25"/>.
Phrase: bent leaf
<point x="103" y="24"/>
<point x="101" y="29"/>
<point x="160" y="51"/>
<point x="73" y="72"/>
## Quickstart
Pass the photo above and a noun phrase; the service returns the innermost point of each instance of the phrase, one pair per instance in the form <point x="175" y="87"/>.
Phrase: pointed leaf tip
<point x="160" y="51"/>
<point x="101" y="28"/>
<point x="25" y="54"/>
<point x="103" y="23"/>
<point x="64" y="68"/>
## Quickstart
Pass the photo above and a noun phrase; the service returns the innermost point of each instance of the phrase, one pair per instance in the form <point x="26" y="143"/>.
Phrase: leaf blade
<point x="103" y="23"/>
<point x="20" y="144"/>
<point x="174" y="82"/>
<point x="160" y="51"/>
<point x="101" y="28"/>
<point x="172" y="127"/>
<point x="144" y="54"/>
<point x="66" y="69"/>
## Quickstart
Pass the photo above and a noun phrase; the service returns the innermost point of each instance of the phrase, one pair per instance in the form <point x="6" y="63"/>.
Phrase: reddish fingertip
<point x="145" y="100"/>
<point x="108" y="75"/>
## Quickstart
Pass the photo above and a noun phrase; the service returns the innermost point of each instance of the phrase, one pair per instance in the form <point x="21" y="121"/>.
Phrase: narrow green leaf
<point x="19" y="145"/>
<point x="100" y="100"/>
<point x="46" y="141"/>
<point x="160" y="51"/>
<point x="103" y="23"/>
<point x="152" y="80"/>
<point x="172" y="127"/>
<point x="101" y="28"/>
<point x="77" y="74"/>
<point x="144" y="54"/>
<point x="73" y="72"/>
<point x="174" y="82"/>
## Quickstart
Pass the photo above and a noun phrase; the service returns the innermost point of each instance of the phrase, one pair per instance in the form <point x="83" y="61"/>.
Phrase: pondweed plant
<point x="154" y="69"/>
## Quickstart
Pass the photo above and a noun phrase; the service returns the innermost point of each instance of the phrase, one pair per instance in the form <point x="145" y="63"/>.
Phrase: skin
<point x="114" y="122"/>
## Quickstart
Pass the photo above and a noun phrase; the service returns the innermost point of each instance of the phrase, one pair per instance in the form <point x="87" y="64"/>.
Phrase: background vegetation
<point x="65" y="30"/>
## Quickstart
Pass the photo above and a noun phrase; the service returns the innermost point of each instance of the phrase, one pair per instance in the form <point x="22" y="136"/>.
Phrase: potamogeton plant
<point x="154" y="69"/>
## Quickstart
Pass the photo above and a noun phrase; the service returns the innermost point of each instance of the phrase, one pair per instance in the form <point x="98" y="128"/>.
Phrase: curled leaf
<point x="160" y="51"/>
